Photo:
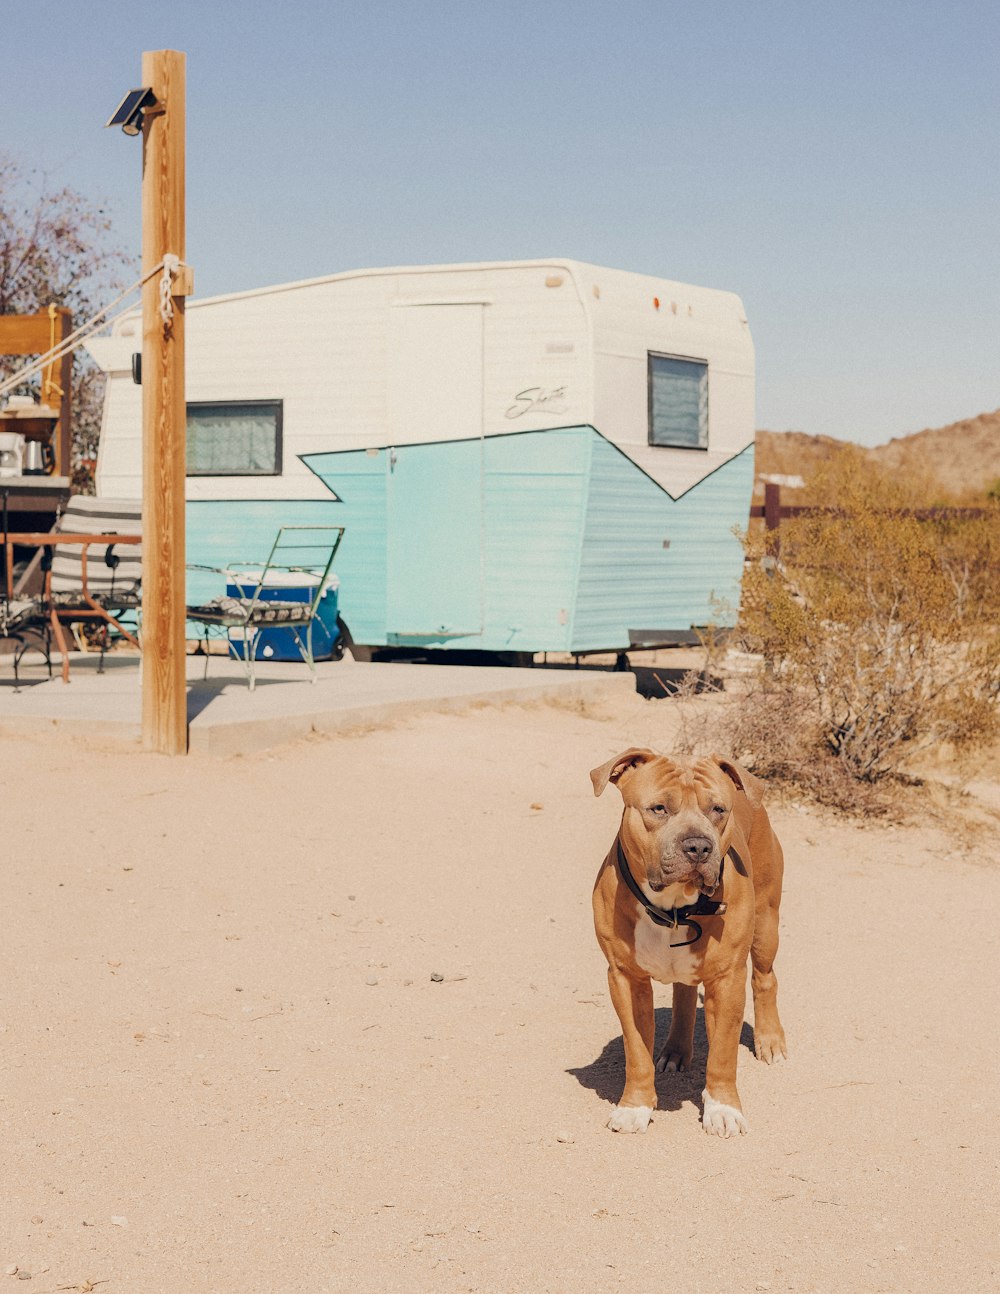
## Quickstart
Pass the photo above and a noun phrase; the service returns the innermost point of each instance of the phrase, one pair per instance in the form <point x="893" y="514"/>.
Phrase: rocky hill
<point x="959" y="462"/>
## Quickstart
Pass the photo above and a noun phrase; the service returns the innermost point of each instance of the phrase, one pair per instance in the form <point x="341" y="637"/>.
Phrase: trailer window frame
<point x="243" y="406"/>
<point x="676" y="440"/>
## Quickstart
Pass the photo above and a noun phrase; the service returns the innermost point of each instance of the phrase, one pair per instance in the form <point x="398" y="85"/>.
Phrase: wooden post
<point x="56" y="390"/>
<point x="164" y="690"/>
<point x="63" y="448"/>
<point x="772" y="505"/>
<point x="772" y="517"/>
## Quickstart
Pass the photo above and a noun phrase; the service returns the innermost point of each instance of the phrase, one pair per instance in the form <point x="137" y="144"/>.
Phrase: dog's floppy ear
<point x="752" y="787"/>
<point x="616" y="768"/>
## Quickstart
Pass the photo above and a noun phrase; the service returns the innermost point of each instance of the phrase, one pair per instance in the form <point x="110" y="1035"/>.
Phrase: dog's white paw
<point x="630" y="1118"/>
<point x="722" y="1120"/>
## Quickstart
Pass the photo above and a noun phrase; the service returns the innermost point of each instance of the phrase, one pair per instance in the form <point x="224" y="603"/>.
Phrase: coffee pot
<point x="11" y="453"/>
<point x="38" y="458"/>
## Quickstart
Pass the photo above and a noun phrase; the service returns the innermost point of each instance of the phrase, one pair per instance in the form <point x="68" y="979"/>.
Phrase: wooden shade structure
<point x="35" y="335"/>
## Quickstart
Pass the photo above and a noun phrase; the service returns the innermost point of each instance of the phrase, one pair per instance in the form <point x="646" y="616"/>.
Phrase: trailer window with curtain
<point x="234" y="438"/>
<point x="678" y="401"/>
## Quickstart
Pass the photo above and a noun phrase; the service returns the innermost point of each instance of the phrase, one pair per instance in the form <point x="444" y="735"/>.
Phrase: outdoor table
<point x="46" y="492"/>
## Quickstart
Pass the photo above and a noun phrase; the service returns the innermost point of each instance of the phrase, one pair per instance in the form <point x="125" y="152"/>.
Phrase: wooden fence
<point x="773" y="511"/>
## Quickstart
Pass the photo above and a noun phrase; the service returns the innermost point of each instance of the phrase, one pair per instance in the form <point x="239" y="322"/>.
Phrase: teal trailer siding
<point x="535" y="541"/>
<point x="706" y="572"/>
<point x="535" y="489"/>
<point x="652" y="562"/>
<point x="483" y="539"/>
<point x="434" y="525"/>
<point x="362" y="561"/>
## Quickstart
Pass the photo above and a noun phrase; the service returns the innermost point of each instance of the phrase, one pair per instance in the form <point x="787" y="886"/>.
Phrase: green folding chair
<point x="300" y="555"/>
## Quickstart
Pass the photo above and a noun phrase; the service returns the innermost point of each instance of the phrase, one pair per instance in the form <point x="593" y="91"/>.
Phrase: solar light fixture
<point x="133" y="109"/>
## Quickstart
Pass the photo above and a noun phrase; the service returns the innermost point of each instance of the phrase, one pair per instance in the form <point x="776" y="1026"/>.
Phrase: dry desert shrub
<point x="882" y="623"/>
<point x="765" y="726"/>
<point x="877" y="627"/>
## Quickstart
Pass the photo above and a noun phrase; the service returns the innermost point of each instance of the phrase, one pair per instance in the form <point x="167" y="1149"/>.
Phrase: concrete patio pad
<point x="225" y="718"/>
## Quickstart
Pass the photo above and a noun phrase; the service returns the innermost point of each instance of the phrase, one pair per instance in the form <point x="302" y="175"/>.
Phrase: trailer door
<point x="435" y="407"/>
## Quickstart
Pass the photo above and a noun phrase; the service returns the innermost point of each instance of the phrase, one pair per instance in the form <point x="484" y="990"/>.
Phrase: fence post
<point x="772" y="505"/>
<point x="772" y="514"/>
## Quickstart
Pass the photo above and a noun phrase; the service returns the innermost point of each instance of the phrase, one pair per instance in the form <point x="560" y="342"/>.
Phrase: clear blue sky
<point x="834" y="164"/>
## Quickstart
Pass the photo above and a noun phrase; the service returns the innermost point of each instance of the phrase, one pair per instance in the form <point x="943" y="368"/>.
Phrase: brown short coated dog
<point x="689" y="890"/>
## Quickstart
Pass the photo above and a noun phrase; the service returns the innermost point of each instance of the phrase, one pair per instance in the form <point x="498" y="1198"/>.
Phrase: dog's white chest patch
<point x="665" y="964"/>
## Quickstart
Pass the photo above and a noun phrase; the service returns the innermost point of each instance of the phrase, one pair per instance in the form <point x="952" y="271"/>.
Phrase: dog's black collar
<point x="673" y="917"/>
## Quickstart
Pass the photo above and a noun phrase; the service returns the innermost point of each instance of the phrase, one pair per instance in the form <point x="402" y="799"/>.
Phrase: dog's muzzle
<point x="694" y="860"/>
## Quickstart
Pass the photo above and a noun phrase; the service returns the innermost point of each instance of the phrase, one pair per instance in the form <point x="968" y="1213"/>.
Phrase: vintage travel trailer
<point x="528" y="456"/>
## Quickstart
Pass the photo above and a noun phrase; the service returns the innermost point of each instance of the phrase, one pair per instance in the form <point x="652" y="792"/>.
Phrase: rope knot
<point x="171" y="264"/>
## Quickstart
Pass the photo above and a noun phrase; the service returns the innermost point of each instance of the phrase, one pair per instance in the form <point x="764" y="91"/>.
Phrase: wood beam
<point x="25" y="334"/>
<point x="34" y="335"/>
<point x="164" y="689"/>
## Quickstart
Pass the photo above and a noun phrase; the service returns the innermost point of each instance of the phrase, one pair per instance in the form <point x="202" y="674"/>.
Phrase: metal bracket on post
<point x="183" y="282"/>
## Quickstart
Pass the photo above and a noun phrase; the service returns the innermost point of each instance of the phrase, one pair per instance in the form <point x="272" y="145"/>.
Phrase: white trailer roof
<point x="589" y="336"/>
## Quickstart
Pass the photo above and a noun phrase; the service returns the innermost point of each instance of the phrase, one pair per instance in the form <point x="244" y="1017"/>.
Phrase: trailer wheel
<point x="346" y="643"/>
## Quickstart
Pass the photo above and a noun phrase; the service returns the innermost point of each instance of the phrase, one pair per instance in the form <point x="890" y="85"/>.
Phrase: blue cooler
<point x="279" y="643"/>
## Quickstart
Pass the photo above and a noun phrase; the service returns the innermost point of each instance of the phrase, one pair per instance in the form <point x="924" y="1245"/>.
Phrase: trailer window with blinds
<point x="234" y="438"/>
<point x="678" y="401"/>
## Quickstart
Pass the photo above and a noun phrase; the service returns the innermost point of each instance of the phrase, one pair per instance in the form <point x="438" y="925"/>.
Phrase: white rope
<point x="171" y="264"/>
<point x="168" y="267"/>
<point x="99" y="320"/>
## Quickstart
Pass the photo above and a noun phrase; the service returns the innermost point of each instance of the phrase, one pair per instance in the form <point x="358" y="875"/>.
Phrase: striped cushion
<point x="84" y="515"/>
<point x="120" y="598"/>
<point x="240" y="611"/>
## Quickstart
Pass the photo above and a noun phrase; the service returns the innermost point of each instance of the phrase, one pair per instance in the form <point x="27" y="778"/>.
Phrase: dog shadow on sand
<point x="606" y="1075"/>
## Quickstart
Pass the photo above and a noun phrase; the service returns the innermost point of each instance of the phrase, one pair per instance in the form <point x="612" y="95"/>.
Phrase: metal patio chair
<point x="23" y="621"/>
<point x="303" y="551"/>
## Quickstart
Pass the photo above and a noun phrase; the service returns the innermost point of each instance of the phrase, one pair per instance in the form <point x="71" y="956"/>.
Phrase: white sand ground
<point x="226" y="1066"/>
